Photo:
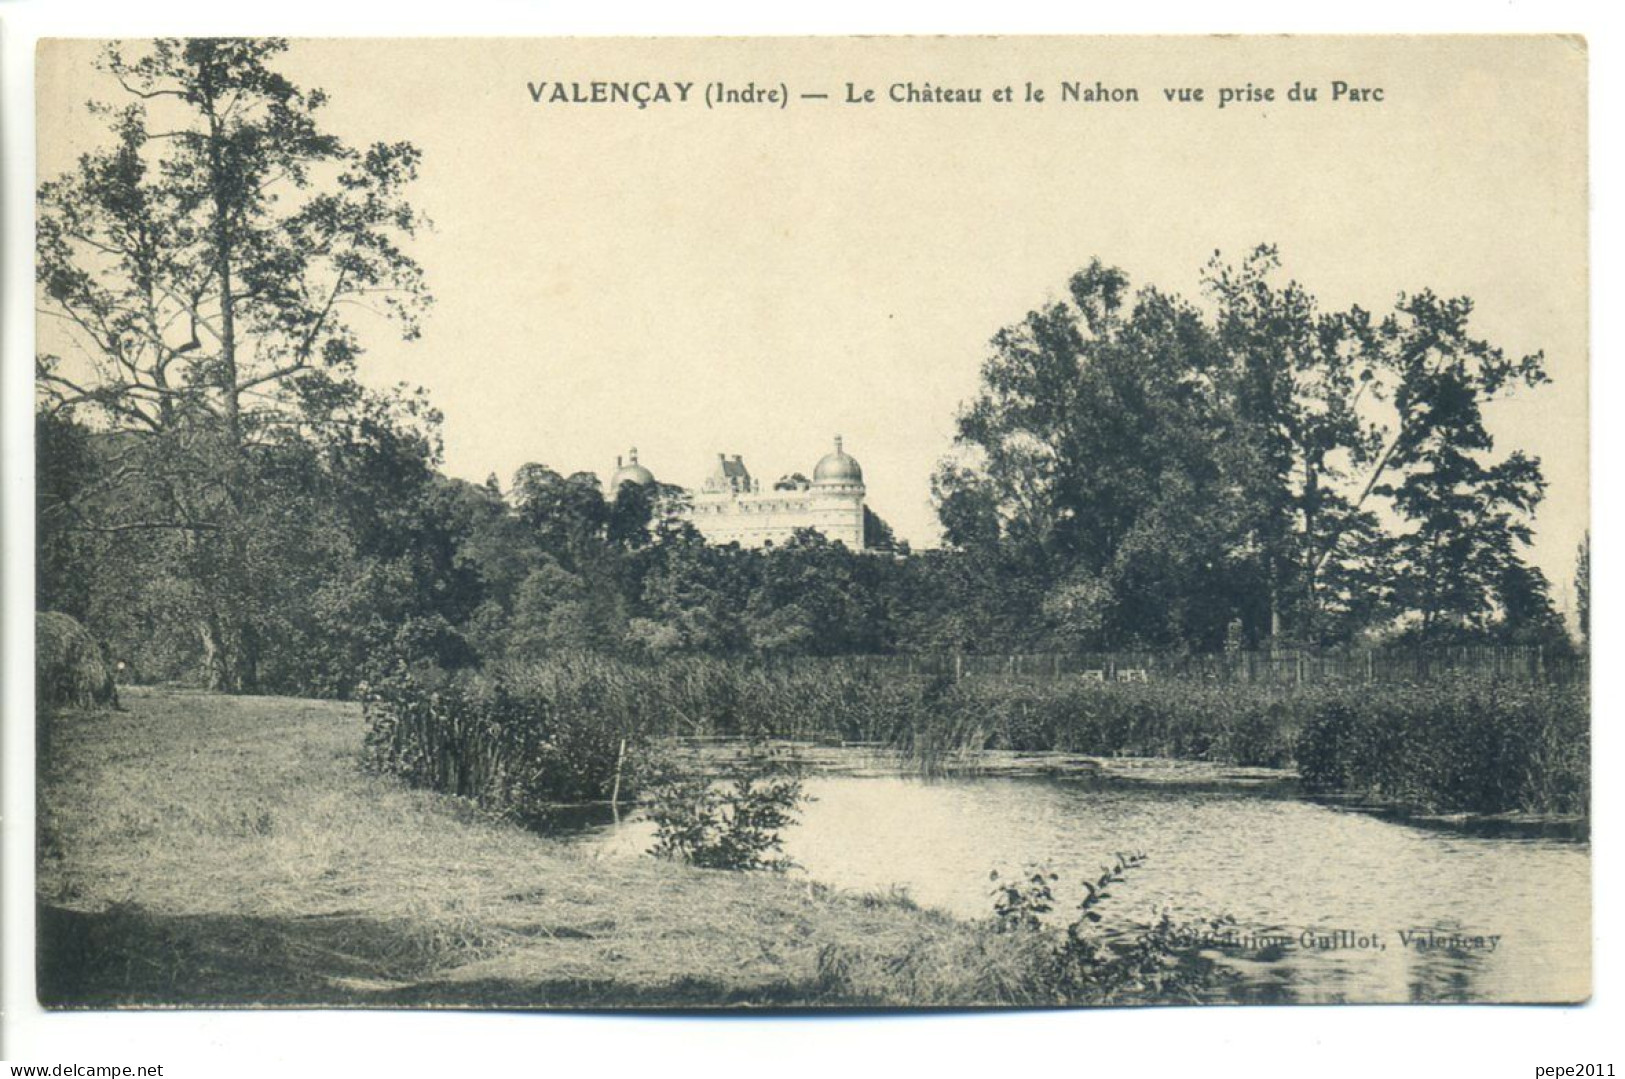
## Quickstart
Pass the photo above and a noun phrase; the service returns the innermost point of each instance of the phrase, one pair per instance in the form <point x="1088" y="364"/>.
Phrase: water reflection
<point x="1331" y="904"/>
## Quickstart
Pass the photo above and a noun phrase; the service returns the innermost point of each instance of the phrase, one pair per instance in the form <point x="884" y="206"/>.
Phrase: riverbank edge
<point x="198" y="850"/>
<point x="821" y="758"/>
<point x="1455" y="746"/>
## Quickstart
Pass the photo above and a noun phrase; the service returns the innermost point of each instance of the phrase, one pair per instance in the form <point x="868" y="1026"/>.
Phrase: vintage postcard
<point x="812" y="522"/>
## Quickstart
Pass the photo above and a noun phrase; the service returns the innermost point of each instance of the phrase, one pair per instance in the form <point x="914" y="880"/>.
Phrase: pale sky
<point x="755" y="280"/>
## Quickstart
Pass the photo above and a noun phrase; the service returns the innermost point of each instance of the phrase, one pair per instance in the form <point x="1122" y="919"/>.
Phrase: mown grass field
<point x="216" y="851"/>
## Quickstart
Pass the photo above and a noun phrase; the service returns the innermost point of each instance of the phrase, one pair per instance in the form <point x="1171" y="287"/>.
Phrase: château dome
<point x="838" y="467"/>
<point x="630" y="472"/>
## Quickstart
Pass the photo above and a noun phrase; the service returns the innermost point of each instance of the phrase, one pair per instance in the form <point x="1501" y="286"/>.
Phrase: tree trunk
<point x="216" y="670"/>
<point x="1311" y="578"/>
<point x="248" y="658"/>
<point x="244" y="674"/>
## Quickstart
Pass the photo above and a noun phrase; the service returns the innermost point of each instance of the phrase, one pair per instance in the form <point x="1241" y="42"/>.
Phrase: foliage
<point x="69" y="667"/>
<point x="320" y="884"/>
<point x="517" y="740"/>
<point x="1582" y="588"/>
<point x="1467" y="517"/>
<point x="734" y="823"/>
<point x="226" y="504"/>
<point x="1020" y="903"/>
<point x="352" y="557"/>
<point x="1462" y="746"/>
<point x="201" y="424"/>
<point x="1089" y="962"/>
<point x="65" y="461"/>
<point x="1162" y="472"/>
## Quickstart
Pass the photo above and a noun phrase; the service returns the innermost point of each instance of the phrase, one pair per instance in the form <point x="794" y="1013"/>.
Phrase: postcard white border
<point x="1327" y="1041"/>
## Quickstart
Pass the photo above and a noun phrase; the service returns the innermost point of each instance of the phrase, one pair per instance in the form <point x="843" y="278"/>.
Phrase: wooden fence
<point x="1280" y="667"/>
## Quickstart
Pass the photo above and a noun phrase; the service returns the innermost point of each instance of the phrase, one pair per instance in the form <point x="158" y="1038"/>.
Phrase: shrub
<point x="69" y="668"/>
<point x="1084" y="963"/>
<point x="1021" y="957"/>
<point x="736" y="824"/>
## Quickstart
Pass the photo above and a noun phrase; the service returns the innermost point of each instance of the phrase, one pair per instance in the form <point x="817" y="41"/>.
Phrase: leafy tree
<point x="1582" y="589"/>
<point x="1090" y="456"/>
<point x="631" y="515"/>
<point x="1330" y="410"/>
<point x="878" y="535"/>
<point x="694" y="595"/>
<point x="1527" y="614"/>
<point x="567" y="514"/>
<point x="492" y="542"/>
<point x="1294" y="380"/>
<point x="815" y="597"/>
<point x="1263" y="472"/>
<point x="203" y="268"/>
<point x="1465" y="518"/>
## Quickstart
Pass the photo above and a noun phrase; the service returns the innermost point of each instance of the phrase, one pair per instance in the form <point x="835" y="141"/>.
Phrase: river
<point x="1331" y="903"/>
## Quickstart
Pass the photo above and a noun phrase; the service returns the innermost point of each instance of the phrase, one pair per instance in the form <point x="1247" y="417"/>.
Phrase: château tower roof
<point x="630" y="472"/>
<point x="838" y="467"/>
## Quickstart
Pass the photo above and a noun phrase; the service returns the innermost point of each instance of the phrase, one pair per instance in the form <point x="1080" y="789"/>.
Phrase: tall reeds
<point x="1462" y="746"/>
<point x="525" y="736"/>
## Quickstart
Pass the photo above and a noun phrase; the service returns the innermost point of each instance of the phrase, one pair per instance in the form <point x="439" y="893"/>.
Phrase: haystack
<point x="69" y="668"/>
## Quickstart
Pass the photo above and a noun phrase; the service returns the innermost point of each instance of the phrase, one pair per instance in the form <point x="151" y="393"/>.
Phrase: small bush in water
<point x="733" y="824"/>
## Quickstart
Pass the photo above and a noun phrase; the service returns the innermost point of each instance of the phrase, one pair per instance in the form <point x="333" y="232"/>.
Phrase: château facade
<point x="731" y="506"/>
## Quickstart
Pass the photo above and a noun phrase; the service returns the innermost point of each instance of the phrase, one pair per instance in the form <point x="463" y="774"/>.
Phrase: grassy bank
<point x="516" y="739"/>
<point x="206" y="850"/>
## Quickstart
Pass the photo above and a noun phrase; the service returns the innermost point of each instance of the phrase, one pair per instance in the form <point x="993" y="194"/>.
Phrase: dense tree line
<point x="221" y="500"/>
<point x="1253" y="471"/>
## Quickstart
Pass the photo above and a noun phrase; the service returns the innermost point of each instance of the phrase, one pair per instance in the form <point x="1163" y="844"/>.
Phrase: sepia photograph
<point x="811" y="523"/>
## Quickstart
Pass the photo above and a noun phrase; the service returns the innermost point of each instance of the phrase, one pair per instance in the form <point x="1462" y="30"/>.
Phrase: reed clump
<point x="516" y="740"/>
<point x="1456" y="746"/>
